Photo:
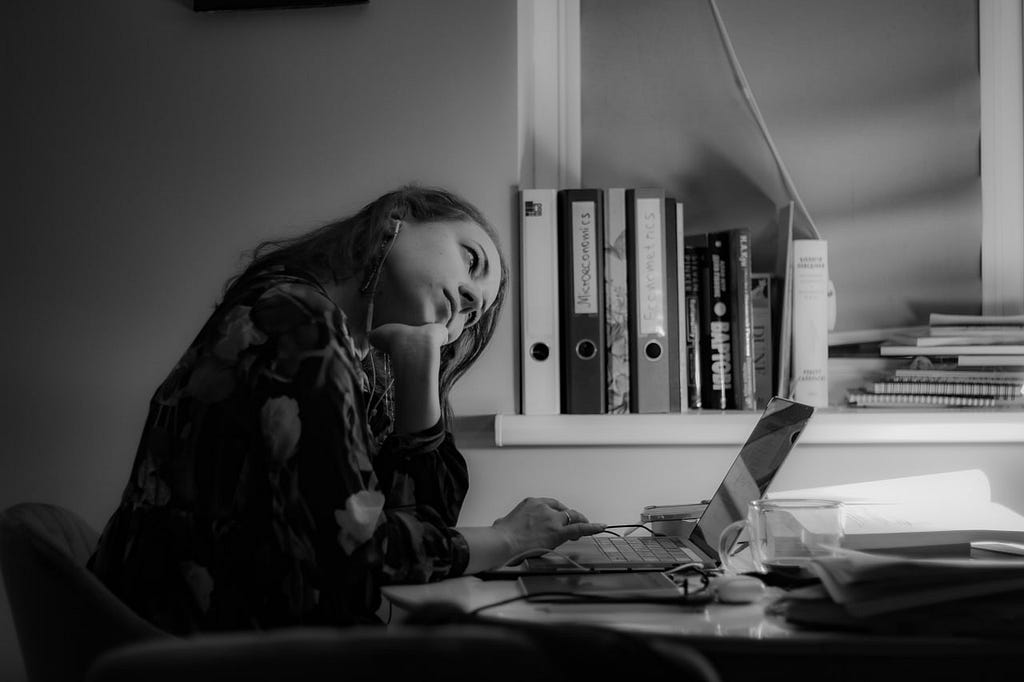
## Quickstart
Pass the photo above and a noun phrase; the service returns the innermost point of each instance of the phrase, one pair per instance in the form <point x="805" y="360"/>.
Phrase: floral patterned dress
<point x="259" y="496"/>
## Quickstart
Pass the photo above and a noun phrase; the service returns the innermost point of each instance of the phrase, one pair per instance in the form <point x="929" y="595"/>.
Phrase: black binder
<point x="581" y="305"/>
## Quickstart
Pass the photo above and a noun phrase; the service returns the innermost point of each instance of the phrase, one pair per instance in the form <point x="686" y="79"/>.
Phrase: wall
<point x="147" y="146"/>
<point x="873" y="105"/>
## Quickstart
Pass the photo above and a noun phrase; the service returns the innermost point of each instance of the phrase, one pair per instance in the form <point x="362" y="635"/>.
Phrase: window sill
<point x="831" y="426"/>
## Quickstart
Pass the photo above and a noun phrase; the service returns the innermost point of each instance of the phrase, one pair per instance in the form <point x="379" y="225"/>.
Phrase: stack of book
<point x="964" y="340"/>
<point x="954" y="361"/>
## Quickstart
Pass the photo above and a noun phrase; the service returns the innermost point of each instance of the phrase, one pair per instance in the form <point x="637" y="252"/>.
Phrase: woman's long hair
<point x="347" y="247"/>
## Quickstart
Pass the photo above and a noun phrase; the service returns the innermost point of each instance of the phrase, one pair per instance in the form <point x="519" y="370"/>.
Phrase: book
<point x="676" y="333"/>
<point x="945" y="319"/>
<point x="540" y="352"/>
<point x="649" y="313"/>
<point x="904" y="400"/>
<point x="856" y="337"/>
<point x="975" y="331"/>
<point x="956" y="388"/>
<point x="940" y="336"/>
<point x="955" y="374"/>
<point x="691" y="276"/>
<point x="895" y="348"/>
<point x="784" y="271"/>
<point x="869" y="585"/>
<point x="742" y="318"/>
<point x="810" y="322"/>
<point x="717" y="388"/>
<point x="975" y="360"/>
<point x="616" y="301"/>
<point x="761" y="292"/>
<point x="682" y="331"/>
<point x="581" y="300"/>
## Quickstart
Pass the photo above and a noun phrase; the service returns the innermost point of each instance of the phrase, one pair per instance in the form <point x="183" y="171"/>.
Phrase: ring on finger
<point x="568" y="517"/>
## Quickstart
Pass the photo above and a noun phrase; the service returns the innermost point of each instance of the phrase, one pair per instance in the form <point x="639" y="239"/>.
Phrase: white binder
<point x="539" y="336"/>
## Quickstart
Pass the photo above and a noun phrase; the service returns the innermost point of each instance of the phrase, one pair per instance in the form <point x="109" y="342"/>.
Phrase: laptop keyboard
<point x="644" y="549"/>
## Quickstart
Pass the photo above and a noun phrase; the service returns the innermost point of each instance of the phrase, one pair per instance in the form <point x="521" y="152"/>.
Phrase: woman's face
<point x="446" y="272"/>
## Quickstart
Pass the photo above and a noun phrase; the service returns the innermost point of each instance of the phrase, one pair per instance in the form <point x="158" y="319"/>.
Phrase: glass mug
<point x="784" y="535"/>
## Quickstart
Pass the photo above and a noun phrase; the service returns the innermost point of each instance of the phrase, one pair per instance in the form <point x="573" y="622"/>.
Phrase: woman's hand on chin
<point x="398" y="339"/>
<point x="415" y="352"/>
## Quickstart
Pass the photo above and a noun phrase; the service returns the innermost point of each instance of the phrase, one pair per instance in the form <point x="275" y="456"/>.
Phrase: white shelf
<point x="833" y="426"/>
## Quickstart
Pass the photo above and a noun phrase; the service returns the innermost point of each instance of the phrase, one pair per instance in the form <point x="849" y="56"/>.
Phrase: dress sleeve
<point x="330" y="512"/>
<point x="423" y="476"/>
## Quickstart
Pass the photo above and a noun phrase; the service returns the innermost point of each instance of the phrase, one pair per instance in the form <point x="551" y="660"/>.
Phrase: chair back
<point x="63" y="614"/>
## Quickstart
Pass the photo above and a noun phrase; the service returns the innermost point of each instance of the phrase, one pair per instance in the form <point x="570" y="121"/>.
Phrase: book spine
<point x="691" y="275"/>
<point x="945" y="319"/>
<point x="716" y="332"/>
<point x="865" y="399"/>
<point x="648" y="301"/>
<point x="895" y="349"/>
<point x="581" y="293"/>
<point x="742" y="316"/>
<point x="682" y="331"/>
<point x="540" y="389"/>
<point x="761" y="292"/>
<point x="672" y="307"/>
<point x="810" y="322"/>
<point x="954" y="375"/>
<point x="784" y="268"/>
<point x="990" y="360"/>
<point x="959" y="388"/>
<point x="616" y="301"/>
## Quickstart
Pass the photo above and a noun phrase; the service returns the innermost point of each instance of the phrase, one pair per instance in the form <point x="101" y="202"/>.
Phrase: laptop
<point x="759" y="459"/>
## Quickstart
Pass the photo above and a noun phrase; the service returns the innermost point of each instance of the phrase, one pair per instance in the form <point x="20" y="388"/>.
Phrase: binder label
<point x="583" y="269"/>
<point x="650" y="259"/>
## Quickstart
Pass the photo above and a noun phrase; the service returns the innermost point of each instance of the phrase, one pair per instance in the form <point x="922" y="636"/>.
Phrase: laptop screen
<point x="760" y="458"/>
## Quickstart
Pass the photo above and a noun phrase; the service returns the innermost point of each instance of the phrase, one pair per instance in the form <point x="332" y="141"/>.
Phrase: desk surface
<point x="470" y="593"/>
<point x="748" y="622"/>
<point x="741" y="641"/>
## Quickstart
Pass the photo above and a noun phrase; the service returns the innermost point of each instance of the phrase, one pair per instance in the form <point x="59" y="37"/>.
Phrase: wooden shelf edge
<point x="833" y="426"/>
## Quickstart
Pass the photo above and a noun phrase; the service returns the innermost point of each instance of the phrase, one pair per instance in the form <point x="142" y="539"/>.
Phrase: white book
<point x="809" y="376"/>
<point x="683" y="332"/>
<point x="1000" y="360"/>
<point x="939" y="319"/>
<point x="541" y="388"/>
<point x="895" y="348"/>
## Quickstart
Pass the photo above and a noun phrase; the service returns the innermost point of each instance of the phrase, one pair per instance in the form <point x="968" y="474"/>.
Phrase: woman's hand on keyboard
<point x="544" y="522"/>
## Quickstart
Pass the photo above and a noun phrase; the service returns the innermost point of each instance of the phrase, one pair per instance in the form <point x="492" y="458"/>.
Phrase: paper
<point x="869" y="585"/>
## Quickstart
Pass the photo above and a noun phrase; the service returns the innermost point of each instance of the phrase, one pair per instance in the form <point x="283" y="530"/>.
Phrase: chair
<point x="63" y="615"/>
<point x="71" y="628"/>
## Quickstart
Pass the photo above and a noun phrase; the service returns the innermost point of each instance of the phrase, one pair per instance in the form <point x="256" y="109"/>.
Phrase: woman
<point x="298" y="457"/>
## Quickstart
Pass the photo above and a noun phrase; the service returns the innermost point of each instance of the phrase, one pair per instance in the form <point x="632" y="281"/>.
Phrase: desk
<point x="714" y="619"/>
<point x="741" y="641"/>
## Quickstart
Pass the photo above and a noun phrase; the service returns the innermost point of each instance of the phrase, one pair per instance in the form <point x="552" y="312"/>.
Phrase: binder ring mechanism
<point x="586" y="349"/>
<point x="540" y="352"/>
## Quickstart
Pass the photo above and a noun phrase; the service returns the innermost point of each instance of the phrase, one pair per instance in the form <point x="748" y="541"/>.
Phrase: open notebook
<point x="747" y="479"/>
<point x="920" y="512"/>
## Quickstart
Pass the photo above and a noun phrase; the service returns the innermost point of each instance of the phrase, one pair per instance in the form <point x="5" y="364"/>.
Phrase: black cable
<point x="633" y="525"/>
<point x="686" y="599"/>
